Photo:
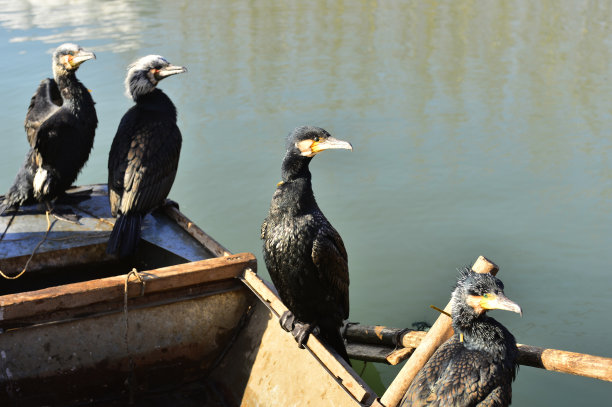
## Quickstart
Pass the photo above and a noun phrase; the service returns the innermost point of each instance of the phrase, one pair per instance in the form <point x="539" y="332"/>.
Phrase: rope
<point x="441" y="311"/>
<point x="49" y="224"/>
<point x="130" y="379"/>
<point x="8" y="225"/>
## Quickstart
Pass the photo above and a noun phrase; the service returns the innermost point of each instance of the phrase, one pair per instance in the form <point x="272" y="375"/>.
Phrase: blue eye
<point x="485" y="296"/>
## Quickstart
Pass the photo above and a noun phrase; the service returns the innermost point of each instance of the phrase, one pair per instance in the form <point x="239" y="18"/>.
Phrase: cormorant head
<point x="477" y="293"/>
<point x="307" y="141"/>
<point x="68" y="57"/>
<point x="144" y="74"/>
<point x="304" y="143"/>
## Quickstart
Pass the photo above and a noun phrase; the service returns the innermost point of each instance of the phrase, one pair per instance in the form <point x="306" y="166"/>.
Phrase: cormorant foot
<point x="63" y="214"/>
<point x="287" y="321"/>
<point x="69" y="217"/>
<point x="301" y="333"/>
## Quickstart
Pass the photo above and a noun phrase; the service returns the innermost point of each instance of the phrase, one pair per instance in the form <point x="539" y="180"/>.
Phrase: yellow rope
<point x="440" y="311"/>
<point x="33" y="253"/>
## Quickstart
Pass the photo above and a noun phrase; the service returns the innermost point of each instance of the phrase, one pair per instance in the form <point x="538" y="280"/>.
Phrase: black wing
<point x="455" y="376"/>
<point x="330" y="258"/>
<point x="45" y="101"/>
<point x="142" y="163"/>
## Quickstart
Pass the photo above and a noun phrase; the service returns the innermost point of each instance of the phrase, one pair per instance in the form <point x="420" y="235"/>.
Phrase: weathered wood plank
<point x="74" y="295"/>
<point x="336" y="367"/>
<point x="204" y="238"/>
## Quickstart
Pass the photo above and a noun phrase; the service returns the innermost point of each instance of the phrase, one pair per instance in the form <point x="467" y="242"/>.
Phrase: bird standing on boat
<point x="144" y="156"/>
<point x="304" y="254"/>
<point x="60" y="125"/>
<point x="477" y="365"/>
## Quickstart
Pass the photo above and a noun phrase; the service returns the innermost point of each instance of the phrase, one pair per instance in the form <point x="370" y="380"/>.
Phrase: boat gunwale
<point x="81" y="294"/>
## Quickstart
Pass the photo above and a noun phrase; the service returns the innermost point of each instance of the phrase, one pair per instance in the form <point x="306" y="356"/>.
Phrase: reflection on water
<point x="116" y="22"/>
<point x="479" y="128"/>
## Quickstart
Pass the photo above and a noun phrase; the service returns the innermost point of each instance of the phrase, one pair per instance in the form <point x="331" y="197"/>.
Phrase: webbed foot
<point x="63" y="214"/>
<point x="287" y="321"/>
<point x="301" y="332"/>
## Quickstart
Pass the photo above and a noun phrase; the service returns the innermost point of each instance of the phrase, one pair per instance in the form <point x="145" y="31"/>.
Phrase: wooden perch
<point x="579" y="364"/>
<point x="440" y="331"/>
<point x="395" y="345"/>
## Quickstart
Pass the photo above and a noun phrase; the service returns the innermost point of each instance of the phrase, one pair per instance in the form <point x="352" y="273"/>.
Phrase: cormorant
<point x="304" y="254"/>
<point x="145" y="152"/>
<point x="477" y="365"/>
<point x="60" y="125"/>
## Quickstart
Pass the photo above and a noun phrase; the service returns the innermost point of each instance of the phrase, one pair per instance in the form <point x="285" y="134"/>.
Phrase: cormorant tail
<point x="21" y="192"/>
<point x="125" y="235"/>
<point x="330" y="333"/>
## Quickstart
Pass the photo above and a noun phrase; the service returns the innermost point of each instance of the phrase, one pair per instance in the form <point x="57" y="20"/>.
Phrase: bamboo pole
<point x="373" y="341"/>
<point x="579" y="364"/>
<point x="440" y="331"/>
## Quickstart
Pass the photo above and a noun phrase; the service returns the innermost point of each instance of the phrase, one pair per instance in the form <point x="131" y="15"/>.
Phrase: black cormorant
<point x="304" y="254"/>
<point x="60" y="125"/>
<point x="145" y="152"/>
<point x="477" y="365"/>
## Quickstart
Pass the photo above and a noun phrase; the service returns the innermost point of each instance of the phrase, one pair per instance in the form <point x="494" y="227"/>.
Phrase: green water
<point x="478" y="128"/>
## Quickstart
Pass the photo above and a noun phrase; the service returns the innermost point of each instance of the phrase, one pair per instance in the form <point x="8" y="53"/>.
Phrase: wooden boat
<point x="183" y="322"/>
<point x="193" y="324"/>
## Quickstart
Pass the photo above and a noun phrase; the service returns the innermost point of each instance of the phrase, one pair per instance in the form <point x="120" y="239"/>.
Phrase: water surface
<point x="478" y="128"/>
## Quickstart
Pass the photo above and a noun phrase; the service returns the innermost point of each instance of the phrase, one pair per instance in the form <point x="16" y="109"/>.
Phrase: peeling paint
<point x="378" y="330"/>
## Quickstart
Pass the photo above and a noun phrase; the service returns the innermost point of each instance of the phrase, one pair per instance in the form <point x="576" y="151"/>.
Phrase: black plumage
<point x="477" y="365"/>
<point x="60" y="125"/>
<point x="144" y="156"/>
<point x="304" y="254"/>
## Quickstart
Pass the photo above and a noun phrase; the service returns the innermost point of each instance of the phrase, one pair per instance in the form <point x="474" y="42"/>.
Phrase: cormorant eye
<point x="316" y="138"/>
<point x="485" y="296"/>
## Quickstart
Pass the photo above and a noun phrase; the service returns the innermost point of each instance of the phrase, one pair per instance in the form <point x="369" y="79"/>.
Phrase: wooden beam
<point x="23" y="305"/>
<point x="337" y="368"/>
<point x="382" y="335"/>
<point x="372" y="341"/>
<point x="578" y="364"/>
<point x="198" y="234"/>
<point x="440" y="331"/>
<point x="368" y="352"/>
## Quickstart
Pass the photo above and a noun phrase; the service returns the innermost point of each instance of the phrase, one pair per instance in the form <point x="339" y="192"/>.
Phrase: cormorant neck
<point x="295" y="167"/>
<point x="156" y="100"/>
<point x="64" y="78"/>
<point x="480" y="332"/>
<point x="71" y="89"/>
<point x="294" y="194"/>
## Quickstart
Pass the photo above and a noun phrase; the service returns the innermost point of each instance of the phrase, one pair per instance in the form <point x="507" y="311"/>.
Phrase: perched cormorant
<point x="477" y="365"/>
<point x="60" y="125"/>
<point x="145" y="152"/>
<point x="304" y="254"/>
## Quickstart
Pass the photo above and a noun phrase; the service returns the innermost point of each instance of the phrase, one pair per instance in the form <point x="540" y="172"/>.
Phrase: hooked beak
<point x="328" y="144"/>
<point x="169" y="71"/>
<point x="81" y="57"/>
<point x="500" y="301"/>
